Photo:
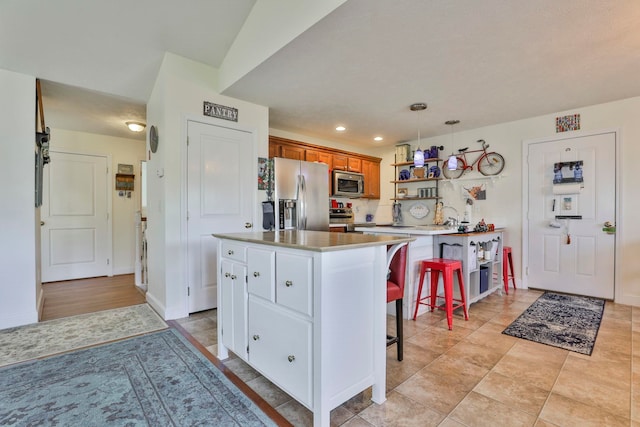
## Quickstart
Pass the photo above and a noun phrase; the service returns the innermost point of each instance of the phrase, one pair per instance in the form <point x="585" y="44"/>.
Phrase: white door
<point x="222" y="187"/>
<point x="569" y="254"/>
<point x="74" y="215"/>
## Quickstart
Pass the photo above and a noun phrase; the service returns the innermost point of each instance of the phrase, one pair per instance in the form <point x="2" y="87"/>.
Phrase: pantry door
<point x="568" y="251"/>
<point x="76" y="242"/>
<point x="222" y="191"/>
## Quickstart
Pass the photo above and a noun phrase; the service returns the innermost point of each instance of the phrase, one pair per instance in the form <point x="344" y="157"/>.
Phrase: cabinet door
<point x="294" y="282"/>
<point x="234" y="307"/>
<point x="280" y="347"/>
<point x="291" y="152"/>
<point x="319" y="156"/>
<point x="261" y="273"/>
<point x="354" y="164"/>
<point x="340" y="162"/>
<point x="274" y="150"/>
<point x="371" y="171"/>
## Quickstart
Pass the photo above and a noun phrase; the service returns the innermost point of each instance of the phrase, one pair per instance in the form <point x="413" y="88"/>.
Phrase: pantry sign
<point x="220" y="111"/>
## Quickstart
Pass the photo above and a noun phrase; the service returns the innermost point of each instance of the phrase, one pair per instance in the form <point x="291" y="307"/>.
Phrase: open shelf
<point x="429" y="160"/>
<point x="415" y="198"/>
<point x="404" y="181"/>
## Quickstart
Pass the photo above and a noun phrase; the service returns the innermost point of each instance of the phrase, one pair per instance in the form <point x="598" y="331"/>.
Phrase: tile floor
<point x="476" y="376"/>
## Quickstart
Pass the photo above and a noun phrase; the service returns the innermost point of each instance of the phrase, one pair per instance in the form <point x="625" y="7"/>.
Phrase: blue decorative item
<point x="435" y="171"/>
<point x="404" y="175"/>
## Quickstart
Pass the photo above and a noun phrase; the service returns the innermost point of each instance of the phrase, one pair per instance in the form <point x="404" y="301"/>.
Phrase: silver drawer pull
<point x="256" y="337"/>
<point x="233" y="277"/>
<point x="256" y="274"/>
<point x="288" y="283"/>
<point x="248" y="225"/>
<point x="291" y="358"/>
<point x="230" y="252"/>
<point x="227" y="274"/>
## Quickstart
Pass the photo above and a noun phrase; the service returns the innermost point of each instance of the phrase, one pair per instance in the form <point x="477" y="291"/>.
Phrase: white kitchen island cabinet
<point x="310" y="314"/>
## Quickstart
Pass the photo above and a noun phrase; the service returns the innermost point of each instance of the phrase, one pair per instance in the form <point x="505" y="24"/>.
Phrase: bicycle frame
<point x="489" y="163"/>
<point x="462" y="155"/>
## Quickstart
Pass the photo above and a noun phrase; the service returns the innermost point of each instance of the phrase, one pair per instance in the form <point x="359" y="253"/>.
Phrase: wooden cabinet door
<point x="354" y="164"/>
<point x="291" y="152"/>
<point x="319" y="156"/>
<point x="274" y="150"/>
<point x="371" y="171"/>
<point x="340" y="162"/>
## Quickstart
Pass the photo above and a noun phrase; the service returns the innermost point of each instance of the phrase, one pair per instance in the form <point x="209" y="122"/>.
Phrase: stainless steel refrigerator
<point x="301" y="195"/>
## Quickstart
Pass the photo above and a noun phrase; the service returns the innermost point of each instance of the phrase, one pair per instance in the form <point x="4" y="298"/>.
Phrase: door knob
<point x="248" y="225"/>
<point x="41" y="223"/>
<point x="256" y="274"/>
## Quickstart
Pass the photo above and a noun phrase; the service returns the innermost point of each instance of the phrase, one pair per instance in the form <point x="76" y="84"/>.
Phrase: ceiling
<point x="482" y="62"/>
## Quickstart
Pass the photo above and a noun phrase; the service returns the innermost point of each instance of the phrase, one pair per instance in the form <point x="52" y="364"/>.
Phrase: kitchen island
<point x="439" y="241"/>
<point x="307" y="309"/>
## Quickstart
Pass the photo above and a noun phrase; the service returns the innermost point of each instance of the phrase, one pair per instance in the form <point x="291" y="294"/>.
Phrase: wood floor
<point x="68" y="298"/>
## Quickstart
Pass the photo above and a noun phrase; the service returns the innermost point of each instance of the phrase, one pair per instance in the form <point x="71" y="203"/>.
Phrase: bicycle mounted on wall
<point x="489" y="163"/>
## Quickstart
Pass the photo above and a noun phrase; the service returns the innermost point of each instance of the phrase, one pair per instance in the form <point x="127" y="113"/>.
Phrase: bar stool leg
<point x="422" y="272"/>
<point x="448" y="296"/>
<point x="463" y="296"/>
<point x="513" y="276"/>
<point x="505" y="276"/>
<point x="434" y="287"/>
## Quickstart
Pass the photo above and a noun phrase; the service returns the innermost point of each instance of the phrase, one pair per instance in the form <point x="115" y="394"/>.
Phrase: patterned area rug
<point x="566" y="321"/>
<point x="60" y="335"/>
<point x="158" y="379"/>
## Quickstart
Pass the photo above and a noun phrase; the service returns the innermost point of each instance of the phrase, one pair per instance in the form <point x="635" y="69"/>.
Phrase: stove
<point x="340" y="216"/>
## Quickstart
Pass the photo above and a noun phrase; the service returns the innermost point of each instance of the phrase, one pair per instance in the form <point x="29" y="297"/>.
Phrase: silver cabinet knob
<point x="248" y="225"/>
<point x="291" y="358"/>
<point x="227" y="274"/>
<point x="233" y="277"/>
<point x="256" y="274"/>
<point x="230" y="252"/>
<point x="256" y="337"/>
<point x="288" y="283"/>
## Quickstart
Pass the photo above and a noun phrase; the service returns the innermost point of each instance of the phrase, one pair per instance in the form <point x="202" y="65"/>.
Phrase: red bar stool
<point x="506" y="255"/>
<point x="446" y="267"/>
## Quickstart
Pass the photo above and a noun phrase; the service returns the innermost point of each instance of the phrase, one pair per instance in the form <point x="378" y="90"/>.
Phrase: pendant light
<point x="452" y="163"/>
<point x="418" y="156"/>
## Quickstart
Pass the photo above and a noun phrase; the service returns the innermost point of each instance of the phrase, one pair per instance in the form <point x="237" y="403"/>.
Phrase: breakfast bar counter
<point x="307" y="309"/>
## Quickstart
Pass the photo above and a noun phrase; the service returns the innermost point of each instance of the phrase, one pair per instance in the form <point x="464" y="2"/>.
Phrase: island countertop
<point x="318" y="241"/>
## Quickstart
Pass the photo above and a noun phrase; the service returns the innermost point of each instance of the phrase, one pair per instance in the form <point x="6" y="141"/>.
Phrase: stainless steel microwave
<point x="347" y="184"/>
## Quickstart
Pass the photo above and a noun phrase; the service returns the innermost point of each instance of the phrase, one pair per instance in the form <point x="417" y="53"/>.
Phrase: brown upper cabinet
<point x="369" y="166"/>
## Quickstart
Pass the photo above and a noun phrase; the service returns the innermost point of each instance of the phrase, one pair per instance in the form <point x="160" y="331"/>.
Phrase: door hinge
<point x="188" y="291"/>
<point x="526" y="270"/>
<point x="187" y="141"/>
<point x="247" y="349"/>
<point x="187" y="215"/>
<point x="108" y="261"/>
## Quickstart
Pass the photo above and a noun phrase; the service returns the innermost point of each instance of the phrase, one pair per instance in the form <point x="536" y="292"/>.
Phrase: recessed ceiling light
<point x="378" y="138"/>
<point x="135" y="126"/>
<point x="341" y="128"/>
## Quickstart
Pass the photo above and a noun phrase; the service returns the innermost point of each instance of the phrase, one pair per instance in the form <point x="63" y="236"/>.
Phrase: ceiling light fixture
<point x="135" y="126"/>
<point x="452" y="163"/>
<point x="341" y="128"/>
<point x="378" y="138"/>
<point x="418" y="156"/>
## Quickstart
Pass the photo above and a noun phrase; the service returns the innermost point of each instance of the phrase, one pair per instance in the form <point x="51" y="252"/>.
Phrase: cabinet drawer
<point x="280" y="348"/>
<point x="294" y="282"/>
<point x="233" y="251"/>
<point x="261" y="273"/>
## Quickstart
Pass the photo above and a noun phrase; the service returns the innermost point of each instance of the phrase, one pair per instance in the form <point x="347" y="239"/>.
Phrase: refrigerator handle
<point x="302" y="199"/>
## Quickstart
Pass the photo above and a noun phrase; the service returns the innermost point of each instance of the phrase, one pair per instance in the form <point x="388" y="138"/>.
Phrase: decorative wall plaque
<point x="220" y="111"/>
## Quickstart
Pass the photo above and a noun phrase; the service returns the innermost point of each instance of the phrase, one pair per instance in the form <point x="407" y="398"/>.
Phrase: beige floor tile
<point x="268" y="391"/>
<point x="356" y="422"/>
<point x="439" y="340"/>
<point x="437" y="390"/>
<point x="563" y="411"/>
<point x="601" y="384"/>
<point x="479" y="355"/>
<point x="513" y="392"/>
<point x="448" y="422"/>
<point x="401" y="411"/>
<point x="477" y="410"/>
<point x="296" y="414"/>
<point x="415" y="358"/>
<point x="635" y="393"/>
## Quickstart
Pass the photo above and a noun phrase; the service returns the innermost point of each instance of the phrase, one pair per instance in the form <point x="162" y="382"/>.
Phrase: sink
<point x="435" y="228"/>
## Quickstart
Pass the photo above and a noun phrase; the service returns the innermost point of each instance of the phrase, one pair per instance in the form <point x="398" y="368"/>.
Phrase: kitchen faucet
<point x="451" y="220"/>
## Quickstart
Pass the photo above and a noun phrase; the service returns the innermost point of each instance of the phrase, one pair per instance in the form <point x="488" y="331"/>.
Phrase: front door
<point x="222" y="183"/>
<point x="74" y="215"/>
<point x="567" y="249"/>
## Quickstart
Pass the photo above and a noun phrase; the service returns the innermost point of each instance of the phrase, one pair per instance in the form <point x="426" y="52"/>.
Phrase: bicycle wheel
<point x="455" y="173"/>
<point x="491" y="164"/>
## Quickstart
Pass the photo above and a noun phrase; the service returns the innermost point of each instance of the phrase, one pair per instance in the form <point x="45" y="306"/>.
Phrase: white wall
<point x="124" y="151"/>
<point x="504" y="197"/>
<point x="18" y="286"/>
<point x="179" y="92"/>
